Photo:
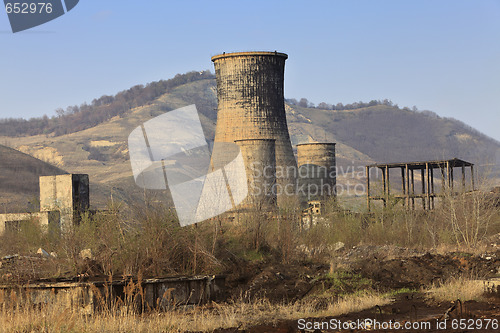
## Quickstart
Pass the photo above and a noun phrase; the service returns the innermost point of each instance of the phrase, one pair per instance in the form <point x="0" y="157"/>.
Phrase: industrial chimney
<point x="251" y="106"/>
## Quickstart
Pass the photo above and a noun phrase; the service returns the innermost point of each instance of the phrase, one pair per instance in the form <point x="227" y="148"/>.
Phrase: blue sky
<point x="442" y="56"/>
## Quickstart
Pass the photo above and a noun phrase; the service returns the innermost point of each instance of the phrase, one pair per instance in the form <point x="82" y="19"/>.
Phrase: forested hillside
<point x="19" y="187"/>
<point x="365" y="132"/>
<point x="76" y="118"/>
<point x="389" y="134"/>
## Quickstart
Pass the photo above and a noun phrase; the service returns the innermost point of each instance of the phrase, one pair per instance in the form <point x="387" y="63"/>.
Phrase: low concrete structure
<point x="63" y="200"/>
<point x="148" y="294"/>
<point x="311" y="213"/>
<point x="12" y="222"/>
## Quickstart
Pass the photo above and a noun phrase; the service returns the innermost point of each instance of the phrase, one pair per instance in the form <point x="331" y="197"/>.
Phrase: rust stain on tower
<point x="251" y="105"/>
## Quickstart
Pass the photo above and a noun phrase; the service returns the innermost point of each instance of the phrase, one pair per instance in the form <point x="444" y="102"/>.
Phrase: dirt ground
<point x="424" y="269"/>
<point x="387" y="268"/>
<point x="382" y="268"/>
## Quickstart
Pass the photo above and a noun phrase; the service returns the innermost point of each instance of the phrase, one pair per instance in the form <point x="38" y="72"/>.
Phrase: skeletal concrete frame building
<point x="251" y="106"/>
<point x="427" y="191"/>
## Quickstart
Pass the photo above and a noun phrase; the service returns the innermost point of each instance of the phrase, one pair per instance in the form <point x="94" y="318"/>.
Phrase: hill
<point x="19" y="189"/>
<point x="390" y="134"/>
<point x="77" y="118"/>
<point x="365" y="134"/>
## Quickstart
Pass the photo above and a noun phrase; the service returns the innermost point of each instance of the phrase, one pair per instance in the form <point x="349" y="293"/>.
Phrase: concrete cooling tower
<point x="317" y="170"/>
<point x="251" y="106"/>
<point x="260" y="166"/>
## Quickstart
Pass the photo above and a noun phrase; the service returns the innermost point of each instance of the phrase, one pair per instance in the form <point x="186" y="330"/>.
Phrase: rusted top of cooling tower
<point x="252" y="53"/>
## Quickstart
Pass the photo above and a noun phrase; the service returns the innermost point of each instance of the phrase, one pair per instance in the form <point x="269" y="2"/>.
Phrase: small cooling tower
<point x="317" y="170"/>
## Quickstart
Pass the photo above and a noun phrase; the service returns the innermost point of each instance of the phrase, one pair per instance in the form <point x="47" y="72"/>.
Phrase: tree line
<point x="303" y="102"/>
<point x="79" y="117"/>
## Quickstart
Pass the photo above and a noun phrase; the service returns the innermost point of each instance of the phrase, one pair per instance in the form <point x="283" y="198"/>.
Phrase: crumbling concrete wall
<point x="46" y="220"/>
<point x="63" y="200"/>
<point x="87" y="297"/>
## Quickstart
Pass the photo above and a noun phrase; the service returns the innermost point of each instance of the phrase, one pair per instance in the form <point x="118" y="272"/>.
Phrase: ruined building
<point x="63" y="200"/>
<point x="428" y="190"/>
<point x="68" y="194"/>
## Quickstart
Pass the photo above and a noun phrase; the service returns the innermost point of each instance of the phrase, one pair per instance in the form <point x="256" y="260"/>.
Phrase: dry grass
<point x="58" y="318"/>
<point x="462" y="288"/>
<point x="152" y="243"/>
<point x="460" y="222"/>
